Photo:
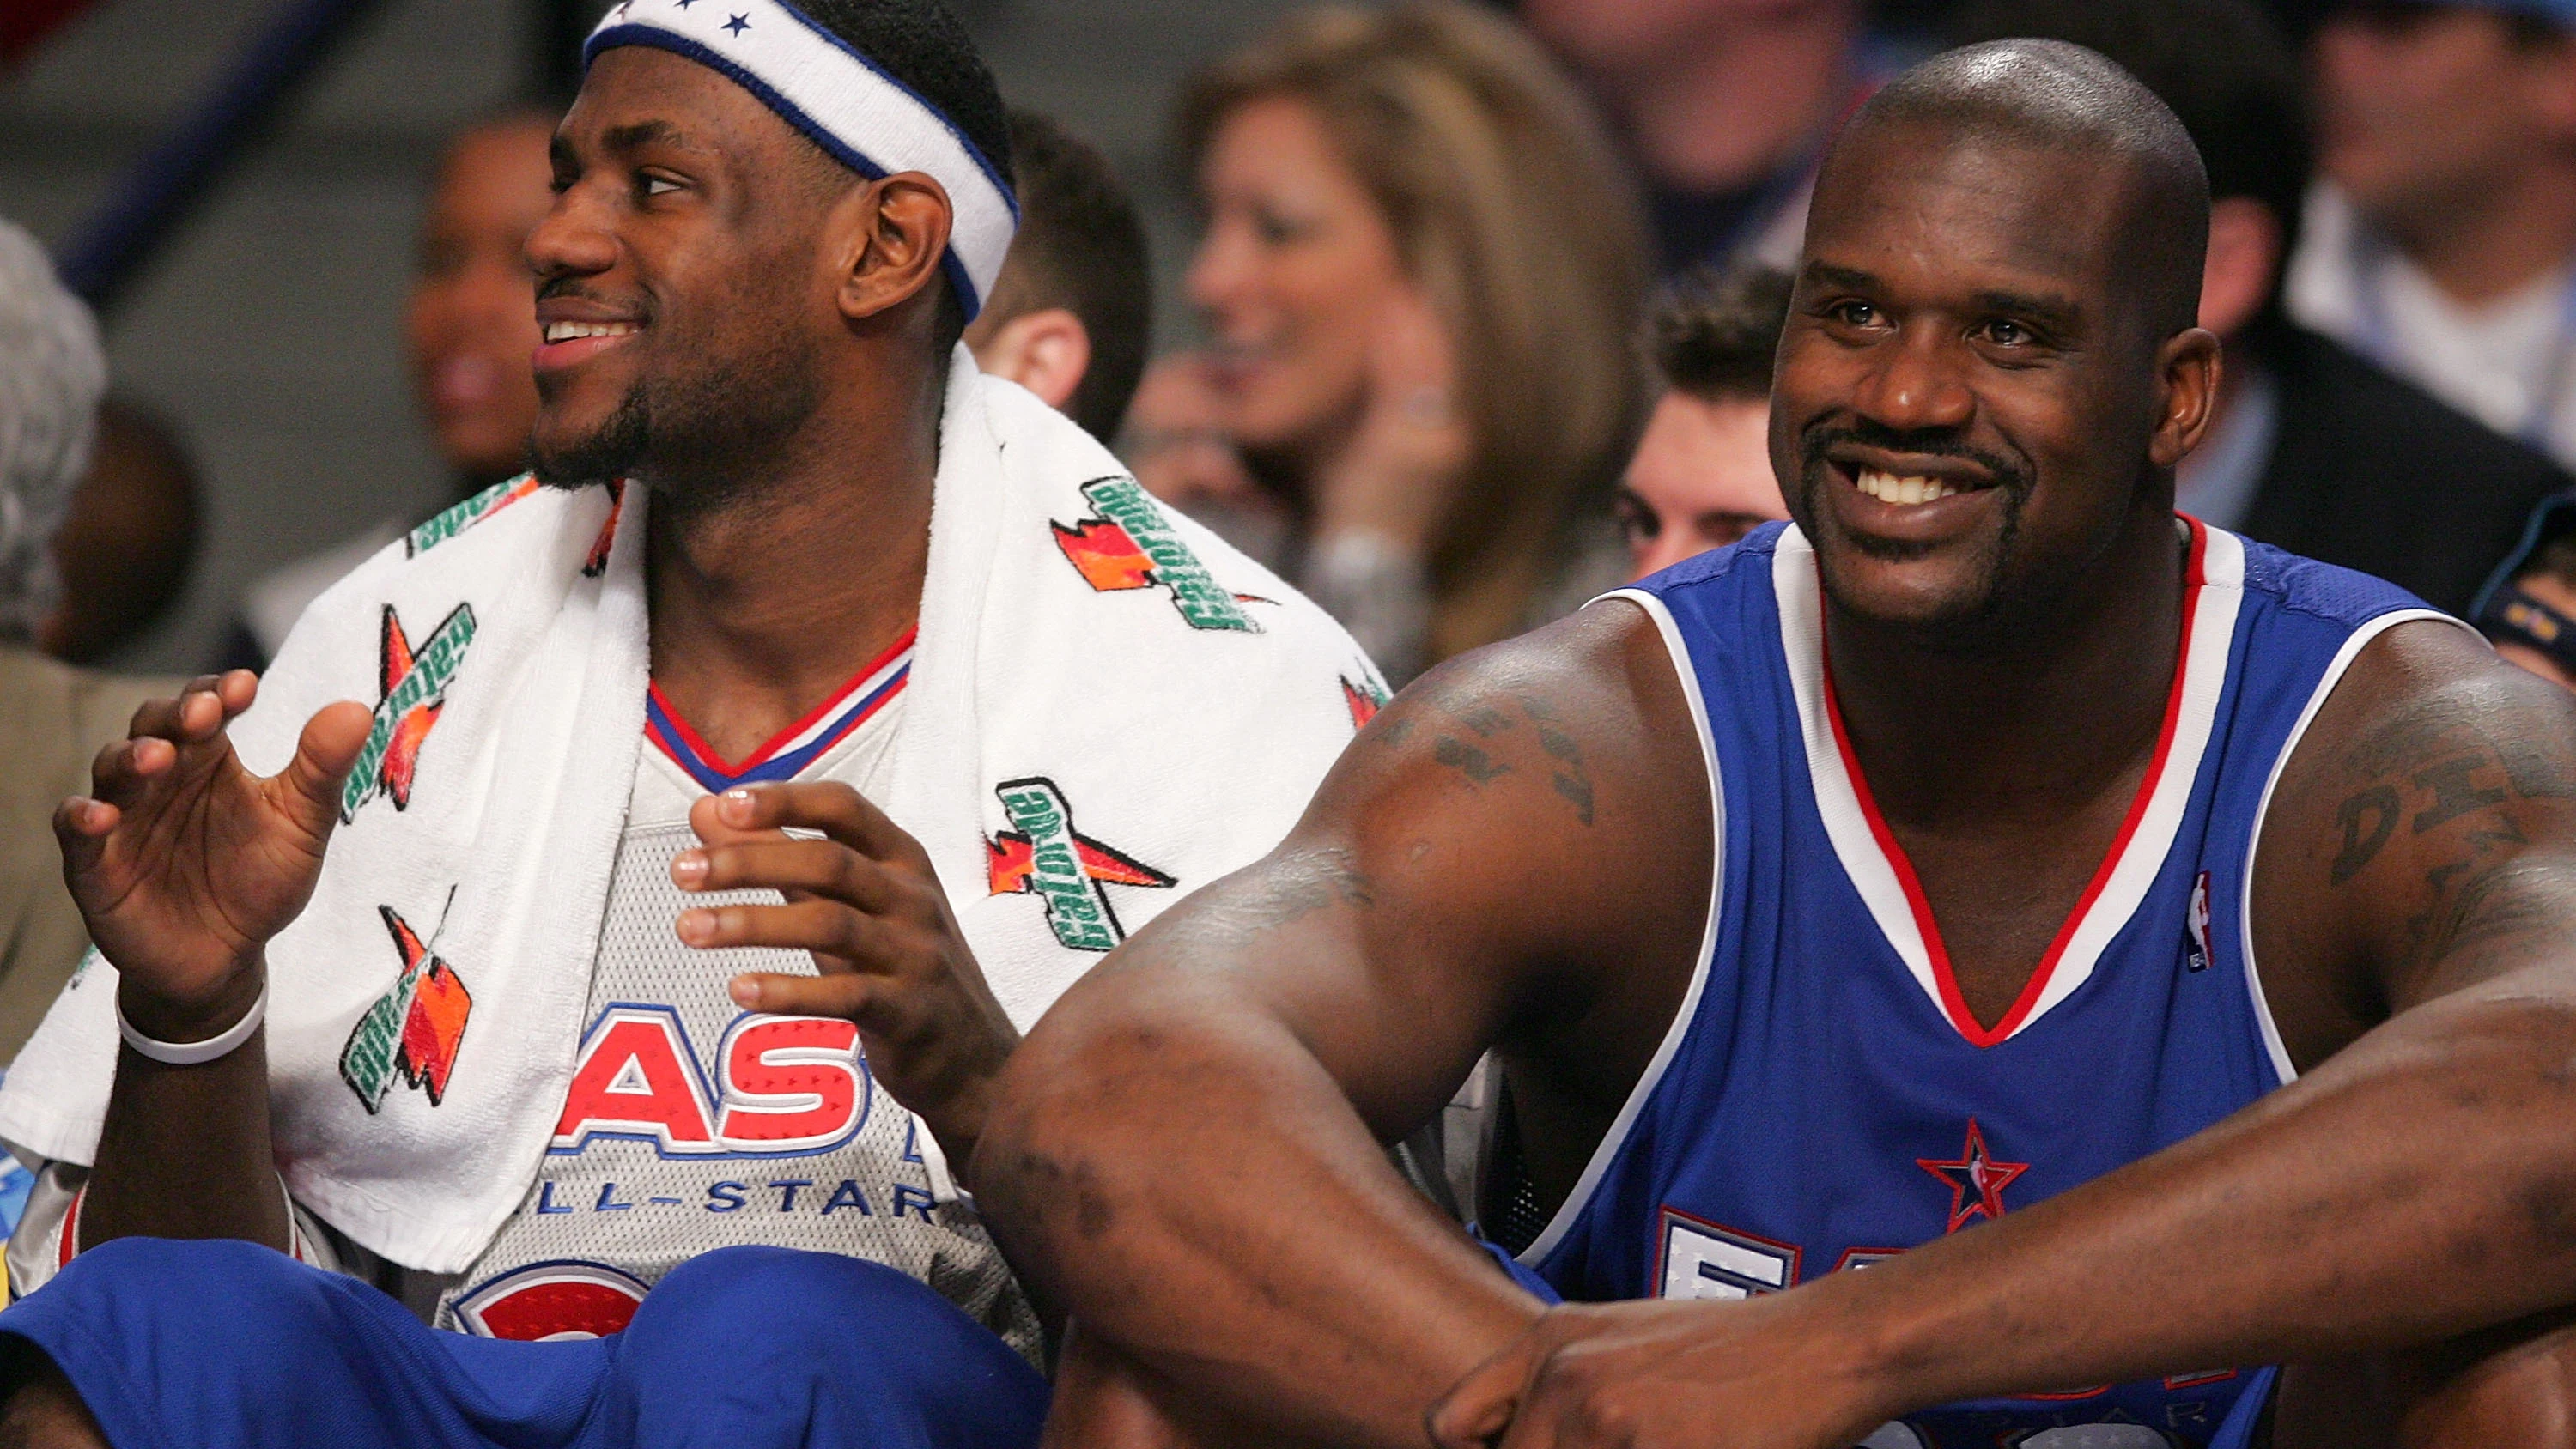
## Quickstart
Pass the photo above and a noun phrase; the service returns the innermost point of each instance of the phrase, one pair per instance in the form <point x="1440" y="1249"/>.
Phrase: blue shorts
<point x="175" y="1345"/>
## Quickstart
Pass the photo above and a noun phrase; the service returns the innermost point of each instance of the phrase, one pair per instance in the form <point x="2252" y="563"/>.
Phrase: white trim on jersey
<point x="1612" y="1140"/>
<point x="2118" y="888"/>
<point x="2335" y="671"/>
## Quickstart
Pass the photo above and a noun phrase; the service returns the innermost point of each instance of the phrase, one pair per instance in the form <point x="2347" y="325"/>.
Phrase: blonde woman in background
<point x="1422" y="266"/>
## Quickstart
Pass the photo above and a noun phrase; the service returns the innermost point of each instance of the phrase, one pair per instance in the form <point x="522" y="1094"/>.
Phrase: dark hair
<point x="921" y="44"/>
<point x="2224" y="67"/>
<point x="1079" y="247"/>
<point x="1714" y="334"/>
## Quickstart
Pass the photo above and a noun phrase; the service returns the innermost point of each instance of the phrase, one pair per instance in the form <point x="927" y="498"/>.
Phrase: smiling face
<point x="1296" y="271"/>
<point x="685" y="281"/>
<point x="470" y="323"/>
<point x="1970" y="401"/>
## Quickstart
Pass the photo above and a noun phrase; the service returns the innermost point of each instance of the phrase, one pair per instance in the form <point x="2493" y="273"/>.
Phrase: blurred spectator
<point x="1421" y="271"/>
<point x="2313" y="448"/>
<point x="1177" y="443"/>
<point x="471" y="327"/>
<point x="1725" y="107"/>
<point x="1702" y="475"/>
<point x="124" y="548"/>
<point x="2529" y="611"/>
<point x="1072" y="314"/>
<point x="2441" y="241"/>
<point x="53" y="717"/>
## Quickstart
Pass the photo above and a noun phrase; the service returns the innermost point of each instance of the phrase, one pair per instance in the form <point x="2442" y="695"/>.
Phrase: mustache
<point x="2011" y="474"/>
<point x="564" y="286"/>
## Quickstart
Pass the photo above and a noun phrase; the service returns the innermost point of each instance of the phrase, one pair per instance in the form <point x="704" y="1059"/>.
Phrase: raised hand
<point x="865" y="902"/>
<point x="184" y="863"/>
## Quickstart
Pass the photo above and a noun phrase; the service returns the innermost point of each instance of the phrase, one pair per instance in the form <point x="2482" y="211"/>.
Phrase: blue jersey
<point x="1825" y="1099"/>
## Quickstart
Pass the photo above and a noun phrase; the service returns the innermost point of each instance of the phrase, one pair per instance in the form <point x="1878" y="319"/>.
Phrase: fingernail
<point x="697" y="926"/>
<point x="737" y="806"/>
<point x="688" y="868"/>
<point x="745" y="991"/>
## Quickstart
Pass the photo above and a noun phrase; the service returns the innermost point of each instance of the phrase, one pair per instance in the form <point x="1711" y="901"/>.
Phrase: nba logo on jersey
<point x="2198" y="922"/>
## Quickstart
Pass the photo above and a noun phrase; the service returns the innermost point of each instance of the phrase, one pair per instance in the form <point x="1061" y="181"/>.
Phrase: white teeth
<point x="568" y="331"/>
<point x="1889" y="488"/>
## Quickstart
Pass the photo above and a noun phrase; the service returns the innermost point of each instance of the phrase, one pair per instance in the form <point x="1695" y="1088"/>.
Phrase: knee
<point x="132" y="1281"/>
<point x="817" y="1338"/>
<point x="764" y="1293"/>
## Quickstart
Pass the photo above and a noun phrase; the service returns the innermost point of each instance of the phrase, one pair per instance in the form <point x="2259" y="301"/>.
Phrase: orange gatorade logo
<point x="412" y="684"/>
<point x="413" y="1030"/>
<point x="1043" y="856"/>
<point x="1365" y="697"/>
<point x="1129" y="544"/>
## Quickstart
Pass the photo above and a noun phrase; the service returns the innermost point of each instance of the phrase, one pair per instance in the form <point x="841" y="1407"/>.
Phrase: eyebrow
<point x="646" y="133"/>
<point x="1833" y="276"/>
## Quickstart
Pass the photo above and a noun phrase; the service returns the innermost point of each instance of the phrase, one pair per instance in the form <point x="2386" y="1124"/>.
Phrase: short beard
<point x="1968" y="625"/>
<point x="611" y="451"/>
<point x="695" y="438"/>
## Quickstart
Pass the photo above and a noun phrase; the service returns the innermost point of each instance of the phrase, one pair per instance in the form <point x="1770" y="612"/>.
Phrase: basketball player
<point x="487" y="995"/>
<point x="2042" y="960"/>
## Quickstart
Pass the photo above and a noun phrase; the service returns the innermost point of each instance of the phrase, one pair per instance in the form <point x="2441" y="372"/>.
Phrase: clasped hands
<point x="1770" y="1373"/>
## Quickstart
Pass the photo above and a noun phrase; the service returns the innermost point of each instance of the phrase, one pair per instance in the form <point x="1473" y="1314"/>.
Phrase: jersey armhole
<point x="2340" y="665"/>
<point x="1598" y="1165"/>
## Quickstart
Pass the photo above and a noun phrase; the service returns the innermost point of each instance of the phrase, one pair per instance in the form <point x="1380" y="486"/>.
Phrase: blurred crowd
<point x="1488" y="297"/>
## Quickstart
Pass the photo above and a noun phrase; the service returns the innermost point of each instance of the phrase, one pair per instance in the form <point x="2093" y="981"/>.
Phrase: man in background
<point x="2440" y="243"/>
<point x="128" y="538"/>
<point x="470" y="329"/>
<point x="1702" y="478"/>
<point x="1073" y="314"/>
<point x="2314" y="448"/>
<point x="53" y="717"/>
<point x="1724" y="105"/>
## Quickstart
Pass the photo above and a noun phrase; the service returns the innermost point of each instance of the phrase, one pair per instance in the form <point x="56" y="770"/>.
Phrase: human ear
<point x="2188" y="364"/>
<point x="893" y="234"/>
<point x="1047" y="351"/>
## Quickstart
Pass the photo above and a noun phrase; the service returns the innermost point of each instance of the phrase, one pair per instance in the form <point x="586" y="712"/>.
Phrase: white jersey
<point x="691" y="1124"/>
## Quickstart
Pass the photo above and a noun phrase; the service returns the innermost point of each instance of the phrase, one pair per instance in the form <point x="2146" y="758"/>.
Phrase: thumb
<point x="1475" y="1412"/>
<point x="324" y="754"/>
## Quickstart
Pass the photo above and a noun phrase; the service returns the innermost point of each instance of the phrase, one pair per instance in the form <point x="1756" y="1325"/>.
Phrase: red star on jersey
<point x="1976" y="1181"/>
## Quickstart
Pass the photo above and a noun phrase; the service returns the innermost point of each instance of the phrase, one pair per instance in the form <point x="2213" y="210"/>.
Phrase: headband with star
<point x="866" y="119"/>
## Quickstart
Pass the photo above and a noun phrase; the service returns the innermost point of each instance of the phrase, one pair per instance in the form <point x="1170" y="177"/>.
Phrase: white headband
<point x="868" y="121"/>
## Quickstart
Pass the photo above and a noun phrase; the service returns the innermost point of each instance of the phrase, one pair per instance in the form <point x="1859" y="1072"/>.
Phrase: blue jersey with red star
<point x="1825" y="1099"/>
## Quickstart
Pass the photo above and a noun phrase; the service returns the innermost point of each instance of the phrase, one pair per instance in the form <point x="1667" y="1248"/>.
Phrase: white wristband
<point x="195" y="1053"/>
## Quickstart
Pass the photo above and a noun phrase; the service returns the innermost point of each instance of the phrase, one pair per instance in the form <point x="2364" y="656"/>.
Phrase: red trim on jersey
<point x="71" y="1231"/>
<point x="690" y="739"/>
<point x="1954" y="1003"/>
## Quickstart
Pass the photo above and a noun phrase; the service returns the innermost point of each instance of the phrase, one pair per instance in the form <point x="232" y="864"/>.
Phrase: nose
<point x="1915" y="386"/>
<point x="573" y="239"/>
<point x="1664" y="550"/>
<point x="1222" y="268"/>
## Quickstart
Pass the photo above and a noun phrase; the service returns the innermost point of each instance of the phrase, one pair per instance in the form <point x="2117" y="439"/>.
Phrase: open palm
<point x="183" y="862"/>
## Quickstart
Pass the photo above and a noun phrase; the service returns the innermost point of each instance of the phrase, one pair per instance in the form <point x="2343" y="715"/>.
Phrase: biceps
<point x="1383" y="991"/>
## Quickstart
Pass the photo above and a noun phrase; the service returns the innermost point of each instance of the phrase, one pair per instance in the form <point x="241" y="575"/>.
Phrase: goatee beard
<point x="611" y="451"/>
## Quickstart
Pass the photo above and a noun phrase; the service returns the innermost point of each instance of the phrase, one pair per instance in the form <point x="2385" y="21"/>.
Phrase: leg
<point x="219" y="1342"/>
<point x="751" y="1348"/>
<point x="2509" y="1386"/>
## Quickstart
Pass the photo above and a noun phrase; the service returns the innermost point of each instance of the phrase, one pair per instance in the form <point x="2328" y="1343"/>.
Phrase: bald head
<point x="2066" y="101"/>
